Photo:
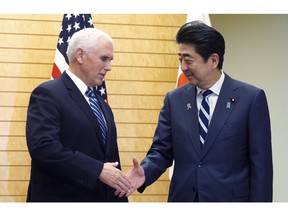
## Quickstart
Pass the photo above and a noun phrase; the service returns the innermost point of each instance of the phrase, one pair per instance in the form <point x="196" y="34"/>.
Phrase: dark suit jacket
<point x="235" y="163"/>
<point x="65" y="144"/>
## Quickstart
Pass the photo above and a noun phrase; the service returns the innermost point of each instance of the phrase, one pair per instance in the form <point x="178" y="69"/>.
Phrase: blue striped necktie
<point x="97" y="111"/>
<point x="204" y="116"/>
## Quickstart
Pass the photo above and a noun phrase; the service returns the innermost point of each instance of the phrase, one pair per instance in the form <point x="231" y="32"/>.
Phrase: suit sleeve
<point x="160" y="155"/>
<point x="260" y="150"/>
<point x="46" y="150"/>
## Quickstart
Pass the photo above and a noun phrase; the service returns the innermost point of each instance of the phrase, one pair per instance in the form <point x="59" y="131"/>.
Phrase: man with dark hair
<point x="216" y="129"/>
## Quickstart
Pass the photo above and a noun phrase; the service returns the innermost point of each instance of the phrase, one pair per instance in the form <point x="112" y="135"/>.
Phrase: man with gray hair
<point x="71" y="133"/>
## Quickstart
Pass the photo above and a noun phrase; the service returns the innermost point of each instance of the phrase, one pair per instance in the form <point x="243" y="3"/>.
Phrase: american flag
<point x="72" y="23"/>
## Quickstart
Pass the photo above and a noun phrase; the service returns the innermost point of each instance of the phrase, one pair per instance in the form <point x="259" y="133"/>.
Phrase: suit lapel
<point x="82" y="103"/>
<point x="225" y="105"/>
<point x="191" y="116"/>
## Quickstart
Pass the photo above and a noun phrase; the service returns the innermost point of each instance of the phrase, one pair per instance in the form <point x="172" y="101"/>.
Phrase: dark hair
<point x="205" y="39"/>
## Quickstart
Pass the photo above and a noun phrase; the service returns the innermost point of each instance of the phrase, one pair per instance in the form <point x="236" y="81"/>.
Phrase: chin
<point x="99" y="82"/>
<point x="191" y="81"/>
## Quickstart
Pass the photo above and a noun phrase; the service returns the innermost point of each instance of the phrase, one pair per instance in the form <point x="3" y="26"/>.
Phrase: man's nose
<point x="183" y="65"/>
<point x="108" y="66"/>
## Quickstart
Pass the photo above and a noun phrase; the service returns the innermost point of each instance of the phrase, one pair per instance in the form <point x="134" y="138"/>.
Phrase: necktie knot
<point x="89" y="92"/>
<point x="206" y="93"/>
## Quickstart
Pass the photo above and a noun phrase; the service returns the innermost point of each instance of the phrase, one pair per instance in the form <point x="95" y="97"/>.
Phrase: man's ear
<point x="79" y="55"/>
<point x="214" y="60"/>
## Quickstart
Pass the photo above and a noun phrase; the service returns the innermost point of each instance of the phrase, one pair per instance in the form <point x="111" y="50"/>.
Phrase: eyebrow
<point x="184" y="55"/>
<point x="107" y="57"/>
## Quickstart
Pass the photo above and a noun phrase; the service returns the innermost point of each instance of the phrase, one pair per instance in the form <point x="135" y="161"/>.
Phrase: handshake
<point x="124" y="184"/>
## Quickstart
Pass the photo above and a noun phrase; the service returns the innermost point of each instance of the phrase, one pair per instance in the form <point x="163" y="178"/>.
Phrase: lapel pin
<point x="228" y="105"/>
<point x="189" y="106"/>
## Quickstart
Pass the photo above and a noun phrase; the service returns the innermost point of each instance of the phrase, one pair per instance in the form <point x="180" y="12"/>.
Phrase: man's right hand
<point x="113" y="177"/>
<point x="136" y="176"/>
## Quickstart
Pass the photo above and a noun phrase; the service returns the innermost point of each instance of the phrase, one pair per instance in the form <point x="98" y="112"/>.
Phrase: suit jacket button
<point x="199" y="164"/>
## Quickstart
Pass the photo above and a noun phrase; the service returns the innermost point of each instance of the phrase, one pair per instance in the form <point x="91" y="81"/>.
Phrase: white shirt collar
<point x="216" y="87"/>
<point x="78" y="82"/>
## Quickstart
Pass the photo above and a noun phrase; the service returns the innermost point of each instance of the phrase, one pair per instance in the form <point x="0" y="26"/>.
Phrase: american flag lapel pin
<point x="188" y="106"/>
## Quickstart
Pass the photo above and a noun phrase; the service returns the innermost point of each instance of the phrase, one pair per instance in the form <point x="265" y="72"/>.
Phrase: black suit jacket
<point x="65" y="145"/>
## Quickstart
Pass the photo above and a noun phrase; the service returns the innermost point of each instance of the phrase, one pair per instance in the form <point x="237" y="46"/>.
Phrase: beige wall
<point x="144" y="68"/>
<point x="256" y="52"/>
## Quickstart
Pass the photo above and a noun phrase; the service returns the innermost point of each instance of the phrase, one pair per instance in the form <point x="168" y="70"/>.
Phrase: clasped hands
<point x="125" y="185"/>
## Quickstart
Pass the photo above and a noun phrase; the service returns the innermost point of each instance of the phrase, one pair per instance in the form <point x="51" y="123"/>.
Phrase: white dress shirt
<point x="212" y="99"/>
<point x="79" y="83"/>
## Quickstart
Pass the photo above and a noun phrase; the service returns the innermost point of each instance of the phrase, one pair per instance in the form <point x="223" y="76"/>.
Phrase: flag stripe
<point x="55" y="71"/>
<point x="60" y="61"/>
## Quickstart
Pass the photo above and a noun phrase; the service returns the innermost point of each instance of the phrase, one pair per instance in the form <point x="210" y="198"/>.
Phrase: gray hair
<point x="85" y="39"/>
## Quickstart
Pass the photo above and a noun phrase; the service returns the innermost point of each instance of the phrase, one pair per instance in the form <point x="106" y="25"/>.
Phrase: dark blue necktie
<point x="97" y="111"/>
<point x="204" y="116"/>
